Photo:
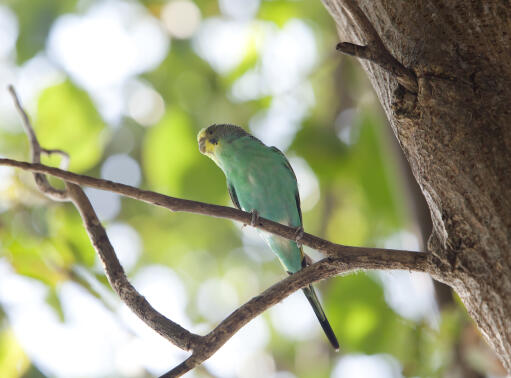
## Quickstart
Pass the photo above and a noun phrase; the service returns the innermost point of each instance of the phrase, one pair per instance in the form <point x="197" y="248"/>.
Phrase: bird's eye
<point x="210" y="132"/>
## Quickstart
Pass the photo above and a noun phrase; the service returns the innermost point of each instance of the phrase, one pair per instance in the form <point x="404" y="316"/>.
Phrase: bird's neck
<point x="238" y="153"/>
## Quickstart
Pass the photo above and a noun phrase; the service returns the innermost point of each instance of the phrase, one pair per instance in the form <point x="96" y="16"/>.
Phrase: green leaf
<point x="32" y="257"/>
<point x="68" y="120"/>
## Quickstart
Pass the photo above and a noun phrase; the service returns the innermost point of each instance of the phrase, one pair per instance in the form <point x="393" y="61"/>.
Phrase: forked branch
<point x="114" y="271"/>
<point x="341" y="259"/>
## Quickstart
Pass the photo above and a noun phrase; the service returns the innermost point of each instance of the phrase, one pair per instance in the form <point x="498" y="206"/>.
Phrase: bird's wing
<point x="233" y="195"/>
<point x="288" y="166"/>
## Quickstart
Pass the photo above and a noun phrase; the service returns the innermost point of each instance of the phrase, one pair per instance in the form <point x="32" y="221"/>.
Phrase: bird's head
<point x="211" y="139"/>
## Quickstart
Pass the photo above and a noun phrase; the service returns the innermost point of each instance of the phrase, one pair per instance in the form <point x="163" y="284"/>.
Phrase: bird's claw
<point x="255" y="218"/>
<point x="298" y="236"/>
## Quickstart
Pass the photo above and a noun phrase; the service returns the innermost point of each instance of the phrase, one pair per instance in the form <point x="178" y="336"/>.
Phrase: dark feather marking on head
<point x="228" y="130"/>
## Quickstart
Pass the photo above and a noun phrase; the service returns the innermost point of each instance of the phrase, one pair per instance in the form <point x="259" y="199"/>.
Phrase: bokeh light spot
<point x="113" y="41"/>
<point x="145" y="105"/>
<point x="126" y="242"/>
<point x="106" y="204"/>
<point x="8" y="31"/>
<point x="216" y="299"/>
<point x="364" y="366"/>
<point x="121" y="168"/>
<point x="181" y="18"/>
<point x="294" y="317"/>
<point x="222" y="43"/>
<point x="239" y="9"/>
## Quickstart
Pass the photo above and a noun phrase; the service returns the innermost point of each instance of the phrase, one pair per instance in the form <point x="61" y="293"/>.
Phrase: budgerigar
<point x="260" y="180"/>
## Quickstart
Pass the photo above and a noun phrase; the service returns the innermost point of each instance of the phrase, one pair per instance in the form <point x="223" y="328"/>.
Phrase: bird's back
<point x="263" y="181"/>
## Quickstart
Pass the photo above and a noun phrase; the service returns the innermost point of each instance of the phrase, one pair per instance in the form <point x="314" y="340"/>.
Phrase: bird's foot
<point x="255" y="218"/>
<point x="299" y="236"/>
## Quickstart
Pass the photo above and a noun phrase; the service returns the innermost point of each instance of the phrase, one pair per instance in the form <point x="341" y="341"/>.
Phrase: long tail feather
<point x="318" y="310"/>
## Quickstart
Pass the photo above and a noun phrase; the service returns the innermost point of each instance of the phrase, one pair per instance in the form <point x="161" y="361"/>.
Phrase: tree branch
<point x="342" y="259"/>
<point x="117" y="278"/>
<point x="97" y="234"/>
<point x="328" y="267"/>
<point x="183" y="205"/>
<point x="375" y="51"/>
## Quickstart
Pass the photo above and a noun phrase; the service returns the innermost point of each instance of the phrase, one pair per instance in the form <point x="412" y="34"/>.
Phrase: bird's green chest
<point x="262" y="182"/>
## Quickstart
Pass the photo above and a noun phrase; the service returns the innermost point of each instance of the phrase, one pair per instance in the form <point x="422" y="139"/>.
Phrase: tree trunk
<point x="456" y="135"/>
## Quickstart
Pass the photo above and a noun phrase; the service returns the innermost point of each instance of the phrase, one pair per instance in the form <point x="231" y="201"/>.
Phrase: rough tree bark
<point x="455" y="132"/>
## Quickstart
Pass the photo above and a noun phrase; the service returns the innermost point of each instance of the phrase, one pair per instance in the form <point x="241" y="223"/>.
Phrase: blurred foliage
<point x="13" y="359"/>
<point x="67" y="117"/>
<point x="169" y="152"/>
<point x="361" y="196"/>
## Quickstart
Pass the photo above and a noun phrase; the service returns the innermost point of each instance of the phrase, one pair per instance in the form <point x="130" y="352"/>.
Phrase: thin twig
<point x="35" y="148"/>
<point x="375" y="50"/>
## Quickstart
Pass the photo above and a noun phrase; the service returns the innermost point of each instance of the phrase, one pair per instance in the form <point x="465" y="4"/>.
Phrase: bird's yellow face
<point x="209" y="143"/>
<point x="215" y="138"/>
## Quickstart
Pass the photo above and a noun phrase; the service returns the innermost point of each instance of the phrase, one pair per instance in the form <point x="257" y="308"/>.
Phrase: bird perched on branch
<point x="260" y="180"/>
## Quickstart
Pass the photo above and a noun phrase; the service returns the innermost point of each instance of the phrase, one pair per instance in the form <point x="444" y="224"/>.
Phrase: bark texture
<point x="456" y="135"/>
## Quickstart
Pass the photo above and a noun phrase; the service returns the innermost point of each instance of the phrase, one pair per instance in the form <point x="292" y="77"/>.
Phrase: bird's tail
<point x="318" y="310"/>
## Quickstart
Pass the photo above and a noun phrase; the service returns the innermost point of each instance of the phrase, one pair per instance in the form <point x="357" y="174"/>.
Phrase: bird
<point x="261" y="180"/>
